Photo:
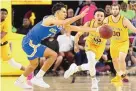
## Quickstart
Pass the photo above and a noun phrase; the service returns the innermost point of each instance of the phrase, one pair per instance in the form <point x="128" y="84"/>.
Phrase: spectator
<point x="66" y="42"/>
<point x="28" y="22"/>
<point x="134" y="19"/>
<point x="90" y="14"/>
<point x="107" y="10"/>
<point x="133" y="52"/>
<point x="26" y="26"/>
<point x="69" y="15"/>
<point x="129" y="14"/>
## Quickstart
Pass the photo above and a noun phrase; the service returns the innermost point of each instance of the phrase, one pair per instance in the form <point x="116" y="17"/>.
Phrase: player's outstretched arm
<point x="73" y="19"/>
<point x="51" y="20"/>
<point x="129" y="25"/>
<point x="79" y="28"/>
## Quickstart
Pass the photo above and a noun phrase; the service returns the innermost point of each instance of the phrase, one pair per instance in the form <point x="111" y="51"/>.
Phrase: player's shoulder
<point x="48" y="17"/>
<point x="5" y="23"/>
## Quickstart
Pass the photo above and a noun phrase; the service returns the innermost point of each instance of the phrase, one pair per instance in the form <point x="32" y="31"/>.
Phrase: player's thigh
<point x="100" y="51"/>
<point x="123" y="51"/>
<point x="114" y="51"/>
<point x="124" y="47"/>
<point x="49" y="52"/>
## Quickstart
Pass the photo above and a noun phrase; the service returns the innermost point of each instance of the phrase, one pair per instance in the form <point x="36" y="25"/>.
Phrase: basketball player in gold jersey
<point x="94" y="47"/>
<point x="4" y="44"/>
<point x="119" y="41"/>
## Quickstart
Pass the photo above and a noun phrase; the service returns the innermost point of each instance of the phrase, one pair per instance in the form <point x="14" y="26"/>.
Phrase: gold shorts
<point x="116" y="48"/>
<point x="97" y="49"/>
<point x="5" y="52"/>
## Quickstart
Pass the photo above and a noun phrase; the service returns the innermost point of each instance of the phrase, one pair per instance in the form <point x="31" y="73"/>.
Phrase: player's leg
<point x="114" y="51"/>
<point x="21" y="81"/>
<point x="116" y="65"/>
<point x="7" y="56"/>
<point x="74" y="68"/>
<point x="56" y="65"/>
<point x="122" y="57"/>
<point x="51" y="57"/>
<point x="91" y="56"/>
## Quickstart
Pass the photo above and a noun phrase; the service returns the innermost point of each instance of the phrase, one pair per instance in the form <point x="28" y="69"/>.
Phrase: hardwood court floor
<point x="81" y="84"/>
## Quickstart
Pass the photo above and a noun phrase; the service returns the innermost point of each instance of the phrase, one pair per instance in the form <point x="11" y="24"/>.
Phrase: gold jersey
<point x="120" y="33"/>
<point x="94" y="37"/>
<point x="4" y="27"/>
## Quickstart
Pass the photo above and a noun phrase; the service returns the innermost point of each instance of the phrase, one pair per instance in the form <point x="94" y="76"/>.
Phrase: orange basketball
<point x="106" y="32"/>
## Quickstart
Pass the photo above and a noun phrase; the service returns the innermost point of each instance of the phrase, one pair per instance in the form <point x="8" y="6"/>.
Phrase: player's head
<point x="115" y="9"/>
<point x="99" y="15"/>
<point x="3" y="14"/>
<point x="59" y="9"/>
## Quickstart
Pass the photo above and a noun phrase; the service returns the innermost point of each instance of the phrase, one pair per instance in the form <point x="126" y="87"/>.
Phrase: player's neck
<point x="116" y="19"/>
<point x="96" y="24"/>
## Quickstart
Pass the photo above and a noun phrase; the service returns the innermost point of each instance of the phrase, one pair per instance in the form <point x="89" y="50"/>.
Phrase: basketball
<point x="106" y="32"/>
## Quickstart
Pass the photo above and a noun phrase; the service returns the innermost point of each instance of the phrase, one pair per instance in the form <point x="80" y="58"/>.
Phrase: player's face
<point x="115" y="11"/>
<point x="3" y="15"/>
<point x="99" y="16"/>
<point x="62" y="13"/>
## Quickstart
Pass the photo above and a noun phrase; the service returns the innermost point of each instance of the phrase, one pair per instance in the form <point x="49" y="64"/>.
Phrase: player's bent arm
<point x="77" y="36"/>
<point x="129" y="25"/>
<point x="2" y="34"/>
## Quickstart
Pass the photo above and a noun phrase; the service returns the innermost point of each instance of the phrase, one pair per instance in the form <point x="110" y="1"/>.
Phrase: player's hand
<point x="76" y="48"/>
<point x="84" y="12"/>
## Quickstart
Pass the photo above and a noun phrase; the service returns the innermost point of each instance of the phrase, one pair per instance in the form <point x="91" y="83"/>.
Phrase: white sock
<point x="22" y="78"/>
<point x="91" y="62"/>
<point x="93" y="78"/>
<point x="40" y="74"/>
<point x="82" y="67"/>
<point x="13" y="63"/>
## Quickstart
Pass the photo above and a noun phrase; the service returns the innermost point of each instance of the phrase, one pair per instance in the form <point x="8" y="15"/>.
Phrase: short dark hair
<point x="57" y="7"/>
<point x="115" y="4"/>
<point x="3" y="9"/>
<point x="100" y="10"/>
